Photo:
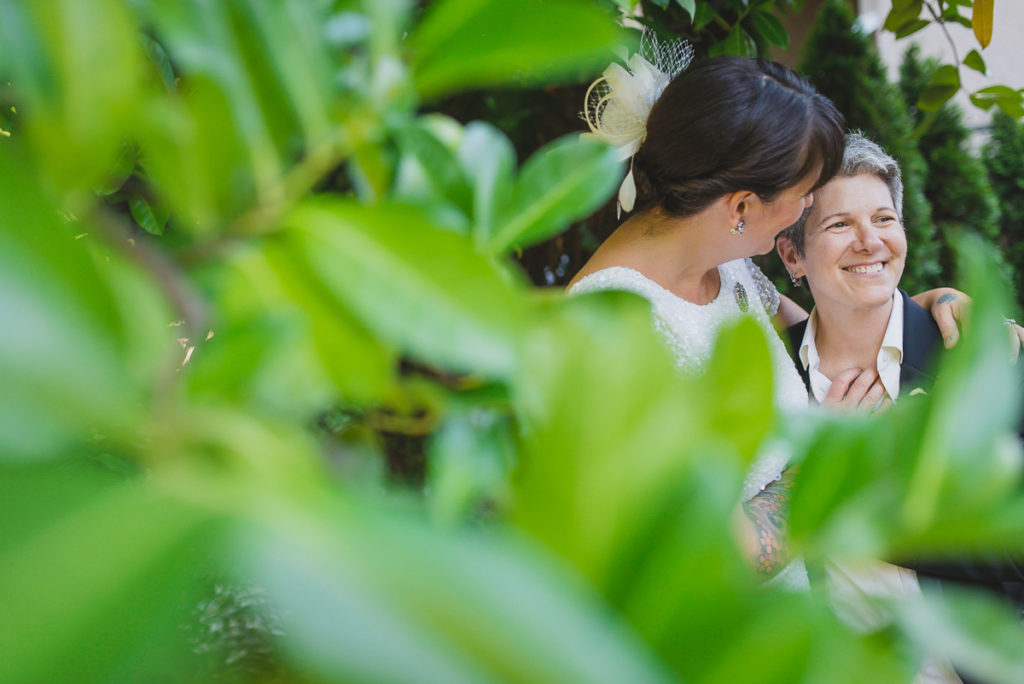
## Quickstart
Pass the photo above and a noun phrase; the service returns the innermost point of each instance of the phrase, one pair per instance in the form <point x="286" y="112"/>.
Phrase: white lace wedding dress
<point x="690" y="330"/>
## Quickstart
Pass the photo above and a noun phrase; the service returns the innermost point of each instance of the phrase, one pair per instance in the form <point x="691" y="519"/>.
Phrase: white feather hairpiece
<point x="618" y="103"/>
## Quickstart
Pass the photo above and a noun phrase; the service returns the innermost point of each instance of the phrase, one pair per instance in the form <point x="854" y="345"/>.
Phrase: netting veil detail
<point x="618" y="103"/>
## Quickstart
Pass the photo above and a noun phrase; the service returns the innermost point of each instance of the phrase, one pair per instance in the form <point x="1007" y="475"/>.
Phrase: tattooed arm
<point x="767" y="525"/>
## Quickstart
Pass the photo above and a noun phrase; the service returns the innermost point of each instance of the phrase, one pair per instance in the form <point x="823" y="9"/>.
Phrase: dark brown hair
<point x="734" y="123"/>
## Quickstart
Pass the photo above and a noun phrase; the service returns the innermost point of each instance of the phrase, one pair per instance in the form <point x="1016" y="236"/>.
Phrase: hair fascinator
<point x="618" y="103"/>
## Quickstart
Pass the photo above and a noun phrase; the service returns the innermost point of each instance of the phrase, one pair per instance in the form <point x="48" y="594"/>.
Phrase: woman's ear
<point x="737" y="204"/>
<point x="793" y="262"/>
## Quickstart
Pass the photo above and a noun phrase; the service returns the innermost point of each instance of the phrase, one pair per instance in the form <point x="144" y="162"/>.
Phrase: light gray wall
<point x="1004" y="55"/>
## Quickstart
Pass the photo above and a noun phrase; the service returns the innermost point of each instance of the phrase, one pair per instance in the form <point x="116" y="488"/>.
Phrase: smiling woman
<point x="860" y="249"/>
<point x="852" y="248"/>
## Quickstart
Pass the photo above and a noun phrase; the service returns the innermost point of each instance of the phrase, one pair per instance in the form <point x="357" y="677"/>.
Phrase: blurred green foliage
<point x="957" y="185"/>
<point x="1003" y="157"/>
<point x="320" y="270"/>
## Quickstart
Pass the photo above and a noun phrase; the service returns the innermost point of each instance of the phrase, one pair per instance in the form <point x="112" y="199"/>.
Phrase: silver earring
<point x="797" y="282"/>
<point x="738" y="230"/>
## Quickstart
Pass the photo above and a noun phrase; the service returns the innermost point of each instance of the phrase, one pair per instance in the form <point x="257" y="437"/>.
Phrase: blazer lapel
<point x="921" y="342"/>
<point x="795" y="335"/>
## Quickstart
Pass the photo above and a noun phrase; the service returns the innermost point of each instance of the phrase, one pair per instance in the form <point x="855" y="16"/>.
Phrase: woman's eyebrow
<point x="823" y="219"/>
<point x="839" y="214"/>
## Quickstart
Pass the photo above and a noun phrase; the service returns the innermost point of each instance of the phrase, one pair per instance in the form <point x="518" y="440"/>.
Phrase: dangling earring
<point x="797" y="282"/>
<point x="738" y="230"/>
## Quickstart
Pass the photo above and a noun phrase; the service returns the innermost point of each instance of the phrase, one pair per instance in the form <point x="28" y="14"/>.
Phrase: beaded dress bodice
<point x="690" y="330"/>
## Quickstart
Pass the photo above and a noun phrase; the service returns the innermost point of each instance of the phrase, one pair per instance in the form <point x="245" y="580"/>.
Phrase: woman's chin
<point x="873" y="296"/>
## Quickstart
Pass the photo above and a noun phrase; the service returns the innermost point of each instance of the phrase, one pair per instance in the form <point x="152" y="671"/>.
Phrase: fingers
<point x="855" y="389"/>
<point x="873" y="397"/>
<point x="840" y="386"/>
<point x="1016" y="340"/>
<point x="861" y="388"/>
<point x="942" y="312"/>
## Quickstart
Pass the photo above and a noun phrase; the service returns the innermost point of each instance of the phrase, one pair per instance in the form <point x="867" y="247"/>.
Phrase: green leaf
<point x="912" y="27"/>
<point x="975" y="61"/>
<point x="977" y="633"/>
<point x="161" y="61"/>
<point x="943" y="85"/>
<point x="1014" y="109"/>
<point x="119" y="173"/>
<point x="101" y="589"/>
<point x="488" y="160"/>
<point x="474" y="605"/>
<point x="469" y="460"/>
<point x="741" y="369"/>
<point x="703" y="16"/>
<point x="588" y="503"/>
<point x="733" y="44"/>
<point x="1007" y="99"/>
<point x="255" y="98"/>
<point x="62" y="351"/>
<point x="428" y="175"/>
<point x="151" y="219"/>
<point x="840" y="470"/>
<point x="959" y="437"/>
<point x="981" y="21"/>
<point x="663" y="4"/>
<point x="415" y="286"/>
<point x="525" y="41"/>
<point x="689" y="5"/>
<point x="565" y="180"/>
<point x="963" y="21"/>
<point x="77" y="132"/>
<point x="360" y="366"/>
<point x="770" y="28"/>
<point x="902" y="13"/>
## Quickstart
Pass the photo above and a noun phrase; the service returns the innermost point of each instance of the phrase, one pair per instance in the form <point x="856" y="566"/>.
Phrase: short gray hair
<point x="862" y="157"/>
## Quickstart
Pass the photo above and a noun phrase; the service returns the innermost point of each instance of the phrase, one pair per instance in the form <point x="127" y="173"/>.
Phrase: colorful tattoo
<point x="769" y="513"/>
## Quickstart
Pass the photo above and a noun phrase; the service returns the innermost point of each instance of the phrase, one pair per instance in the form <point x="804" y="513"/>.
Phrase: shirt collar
<point x="808" y="352"/>
<point x="890" y="354"/>
<point x="893" y="338"/>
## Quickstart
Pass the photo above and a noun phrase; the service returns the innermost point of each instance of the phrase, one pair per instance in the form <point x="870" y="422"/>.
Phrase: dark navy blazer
<point x="922" y="345"/>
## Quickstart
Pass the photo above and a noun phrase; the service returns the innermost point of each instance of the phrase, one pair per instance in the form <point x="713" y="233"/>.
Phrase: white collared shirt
<point x="890" y="354"/>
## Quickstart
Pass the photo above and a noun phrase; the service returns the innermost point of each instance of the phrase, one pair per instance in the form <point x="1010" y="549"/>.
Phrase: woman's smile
<point x="854" y="244"/>
<point x="866" y="269"/>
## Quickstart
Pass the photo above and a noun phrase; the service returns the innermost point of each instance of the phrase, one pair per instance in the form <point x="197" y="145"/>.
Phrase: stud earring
<point x="738" y="230"/>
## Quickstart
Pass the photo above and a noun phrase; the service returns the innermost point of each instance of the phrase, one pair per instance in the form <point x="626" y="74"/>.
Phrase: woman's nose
<point x="868" y="238"/>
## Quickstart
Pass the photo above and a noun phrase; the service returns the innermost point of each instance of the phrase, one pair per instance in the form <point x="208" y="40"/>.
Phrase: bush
<point x="957" y="187"/>
<point x="209" y="406"/>
<point x="1004" y="159"/>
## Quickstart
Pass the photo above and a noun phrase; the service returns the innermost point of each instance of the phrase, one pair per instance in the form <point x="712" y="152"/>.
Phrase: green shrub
<point x="957" y="187"/>
<point x="1004" y="160"/>
<point x="208" y="406"/>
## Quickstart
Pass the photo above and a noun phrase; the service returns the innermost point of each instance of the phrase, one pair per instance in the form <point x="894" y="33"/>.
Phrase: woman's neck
<point x="848" y="337"/>
<point x="681" y="255"/>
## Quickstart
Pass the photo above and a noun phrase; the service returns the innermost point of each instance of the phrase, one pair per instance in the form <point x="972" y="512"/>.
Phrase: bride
<point x="727" y="157"/>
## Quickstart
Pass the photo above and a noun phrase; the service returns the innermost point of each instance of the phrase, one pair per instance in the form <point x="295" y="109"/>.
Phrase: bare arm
<point x="789" y="313"/>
